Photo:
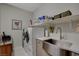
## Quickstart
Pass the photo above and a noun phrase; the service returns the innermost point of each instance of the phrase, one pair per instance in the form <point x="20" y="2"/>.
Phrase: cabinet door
<point x="2" y="49"/>
<point x="6" y="50"/>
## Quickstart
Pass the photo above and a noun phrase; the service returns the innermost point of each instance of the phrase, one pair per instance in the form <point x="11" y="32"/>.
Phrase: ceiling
<point x="27" y="6"/>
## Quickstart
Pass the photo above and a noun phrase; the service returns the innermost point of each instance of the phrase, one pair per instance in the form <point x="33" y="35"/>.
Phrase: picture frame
<point x="16" y="24"/>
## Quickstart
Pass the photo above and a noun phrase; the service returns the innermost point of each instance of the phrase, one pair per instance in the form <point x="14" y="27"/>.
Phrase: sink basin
<point x="51" y="41"/>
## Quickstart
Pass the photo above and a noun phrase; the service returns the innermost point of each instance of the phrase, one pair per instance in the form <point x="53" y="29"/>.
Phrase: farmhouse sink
<point x="52" y="46"/>
<point x="60" y="43"/>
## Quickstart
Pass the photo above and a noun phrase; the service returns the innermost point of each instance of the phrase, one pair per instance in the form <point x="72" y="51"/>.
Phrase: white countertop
<point x="73" y="48"/>
<point x="9" y="42"/>
<point x="45" y="38"/>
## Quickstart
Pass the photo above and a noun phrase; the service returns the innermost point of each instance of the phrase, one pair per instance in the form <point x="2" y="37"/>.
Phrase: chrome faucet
<point x="59" y="28"/>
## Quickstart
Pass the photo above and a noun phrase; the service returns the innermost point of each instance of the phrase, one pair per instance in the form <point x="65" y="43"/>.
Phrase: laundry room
<point x="39" y="29"/>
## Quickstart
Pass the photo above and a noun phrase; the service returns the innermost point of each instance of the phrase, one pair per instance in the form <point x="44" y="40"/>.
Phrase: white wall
<point x="7" y="13"/>
<point x="0" y="19"/>
<point x="51" y="9"/>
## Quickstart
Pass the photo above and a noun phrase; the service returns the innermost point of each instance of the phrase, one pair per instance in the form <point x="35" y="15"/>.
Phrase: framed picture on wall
<point x="16" y="24"/>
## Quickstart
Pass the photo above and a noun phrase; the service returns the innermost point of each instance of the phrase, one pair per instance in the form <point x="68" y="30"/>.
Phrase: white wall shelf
<point x="57" y="21"/>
